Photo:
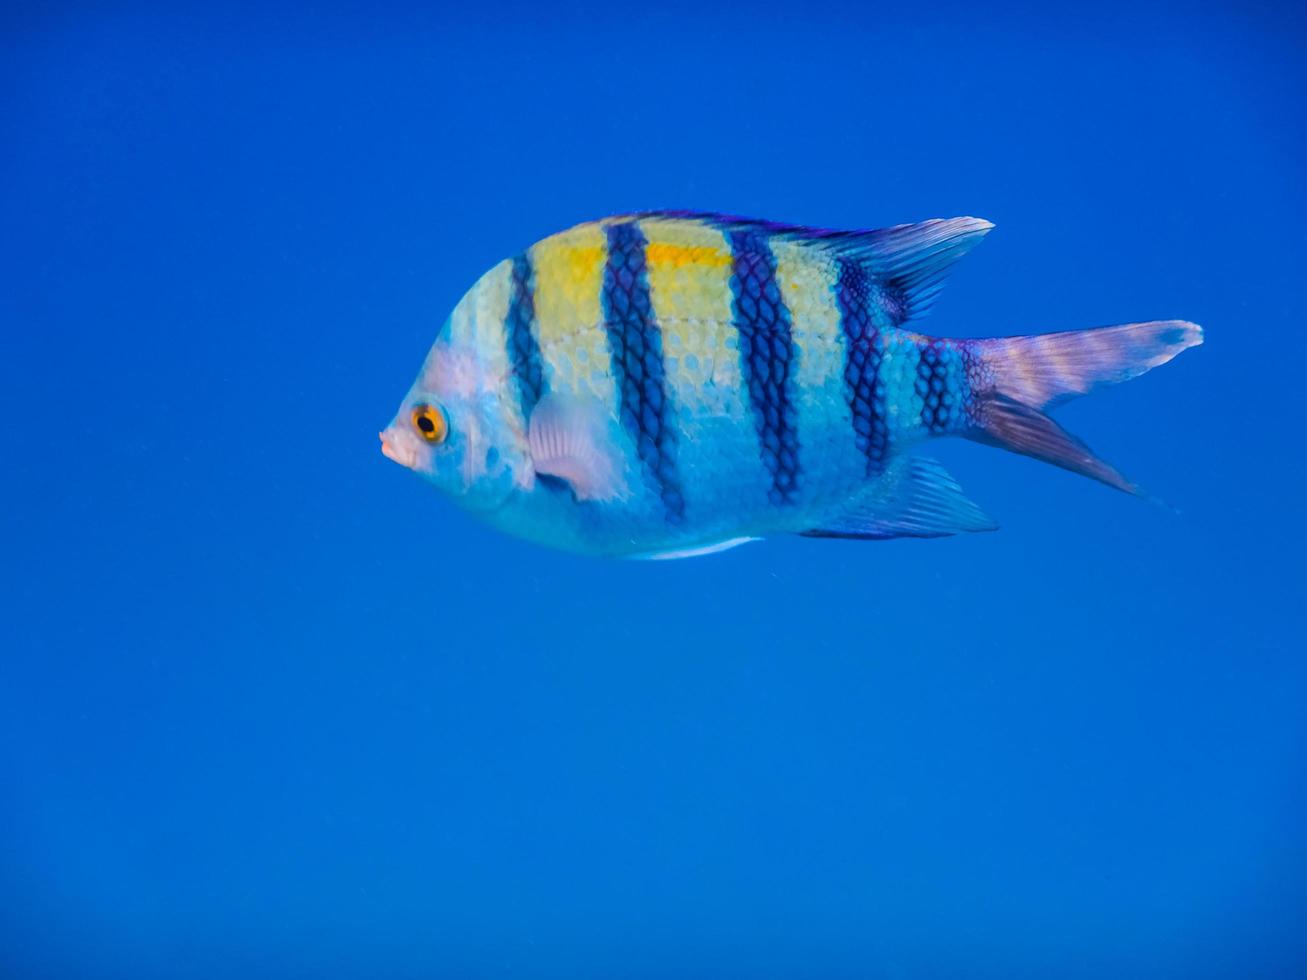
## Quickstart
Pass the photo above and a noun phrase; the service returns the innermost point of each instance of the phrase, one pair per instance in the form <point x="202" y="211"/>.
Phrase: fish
<point x="668" y="384"/>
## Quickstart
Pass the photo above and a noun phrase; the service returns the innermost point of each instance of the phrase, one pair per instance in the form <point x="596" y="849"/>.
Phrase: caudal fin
<point x="1018" y="377"/>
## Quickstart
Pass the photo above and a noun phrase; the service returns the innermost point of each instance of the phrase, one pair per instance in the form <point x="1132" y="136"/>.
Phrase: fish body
<point x="667" y="384"/>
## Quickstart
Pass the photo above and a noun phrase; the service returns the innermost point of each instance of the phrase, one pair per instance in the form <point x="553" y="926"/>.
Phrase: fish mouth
<point x="393" y="449"/>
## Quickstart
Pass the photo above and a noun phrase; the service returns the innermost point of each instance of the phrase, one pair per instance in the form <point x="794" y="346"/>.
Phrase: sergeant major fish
<point x="668" y="384"/>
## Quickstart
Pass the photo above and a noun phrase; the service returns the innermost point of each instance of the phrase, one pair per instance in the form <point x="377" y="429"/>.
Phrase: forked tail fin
<point x="1015" y="378"/>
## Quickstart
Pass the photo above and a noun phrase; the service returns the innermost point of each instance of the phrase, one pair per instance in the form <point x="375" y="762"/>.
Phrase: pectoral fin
<point x="570" y="440"/>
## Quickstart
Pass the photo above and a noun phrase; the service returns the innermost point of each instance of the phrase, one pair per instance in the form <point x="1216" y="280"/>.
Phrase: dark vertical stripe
<point x="636" y="346"/>
<point x="976" y="378"/>
<point x="520" y="337"/>
<point x="863" y="350"/>
<point x="767" y="359"/>
<point x="931" y="384"/>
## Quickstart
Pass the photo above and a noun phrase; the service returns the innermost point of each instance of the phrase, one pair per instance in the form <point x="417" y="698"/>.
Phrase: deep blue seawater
<point x="271" y="707"/>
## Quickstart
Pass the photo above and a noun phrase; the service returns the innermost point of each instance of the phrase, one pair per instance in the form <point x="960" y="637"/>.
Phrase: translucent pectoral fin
<point x="920" y="500"/>
<point x="571" y="440"/>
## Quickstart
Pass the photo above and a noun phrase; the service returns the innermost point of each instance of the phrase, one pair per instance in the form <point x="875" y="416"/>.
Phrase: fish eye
<point x="430" y="423"/>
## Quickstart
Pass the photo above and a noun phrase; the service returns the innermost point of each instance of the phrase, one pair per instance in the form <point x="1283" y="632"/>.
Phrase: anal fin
<point x="920" y="500"/>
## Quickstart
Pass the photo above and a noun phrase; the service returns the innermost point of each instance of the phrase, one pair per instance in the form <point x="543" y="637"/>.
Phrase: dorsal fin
<point x="910" y="262"/>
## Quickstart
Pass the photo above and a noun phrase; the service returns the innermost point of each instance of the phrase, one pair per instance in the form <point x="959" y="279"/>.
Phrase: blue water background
<point x="271" y="707"/>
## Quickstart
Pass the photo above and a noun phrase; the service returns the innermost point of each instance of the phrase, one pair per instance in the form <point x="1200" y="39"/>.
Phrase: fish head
<point x="452" y="428"/>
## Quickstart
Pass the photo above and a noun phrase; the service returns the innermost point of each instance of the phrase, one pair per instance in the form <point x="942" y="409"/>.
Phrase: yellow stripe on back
<point x="808" y="289"/>
<point x="807" y="280"/>
<point x="569" y="276"/>
<point x="689" y="270"/>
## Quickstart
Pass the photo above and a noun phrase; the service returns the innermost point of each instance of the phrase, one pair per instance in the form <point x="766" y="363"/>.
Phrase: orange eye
<point x="430" y="423"/>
